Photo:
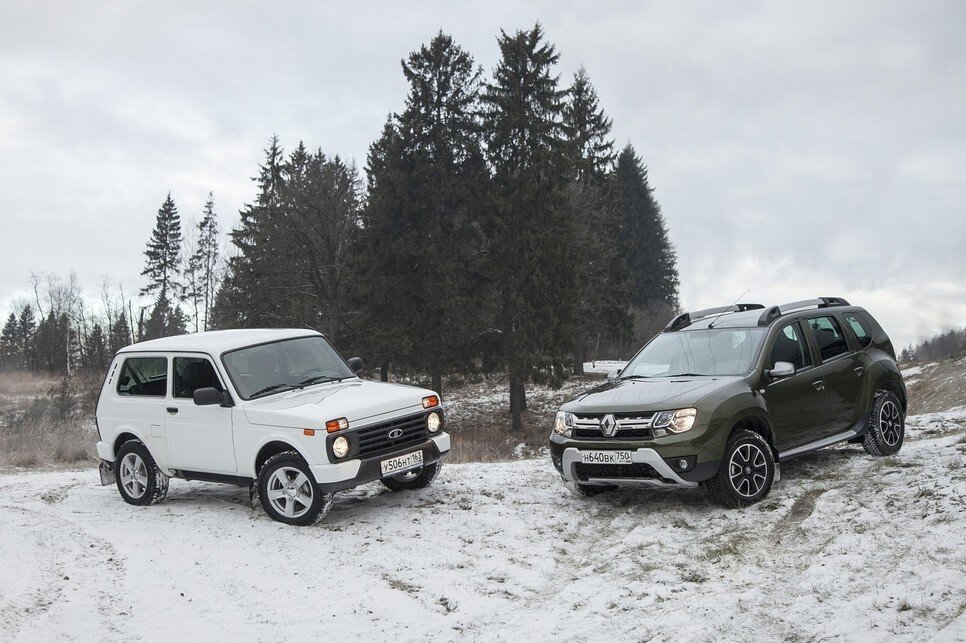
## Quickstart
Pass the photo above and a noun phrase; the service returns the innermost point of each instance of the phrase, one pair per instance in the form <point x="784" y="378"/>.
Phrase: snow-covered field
<point x="846" y="547"/>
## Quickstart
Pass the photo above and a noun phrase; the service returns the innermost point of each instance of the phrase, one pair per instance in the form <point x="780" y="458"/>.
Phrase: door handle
<point x="819" y="384"/>
<point x="858" y="371"/>
<point x="173" y="410"/>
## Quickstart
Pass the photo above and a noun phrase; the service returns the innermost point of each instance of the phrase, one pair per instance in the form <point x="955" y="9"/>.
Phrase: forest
<point x="495" y="228"/>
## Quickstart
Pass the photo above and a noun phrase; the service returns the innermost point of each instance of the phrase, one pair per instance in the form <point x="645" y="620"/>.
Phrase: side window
<point x="790" y="347"/>
<point x="860" y="329"/>
<point x="144" y="376"/>
<point x="828" y="335"/>
<point x="192" y="373"/>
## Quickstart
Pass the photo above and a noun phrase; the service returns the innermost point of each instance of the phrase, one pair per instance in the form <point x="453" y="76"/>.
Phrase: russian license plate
<point x="402" y="463"/>
<point x="605" y="457"/>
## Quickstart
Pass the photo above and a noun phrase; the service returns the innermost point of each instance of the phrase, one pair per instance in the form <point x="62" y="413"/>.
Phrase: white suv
<point x="278" y="410"/>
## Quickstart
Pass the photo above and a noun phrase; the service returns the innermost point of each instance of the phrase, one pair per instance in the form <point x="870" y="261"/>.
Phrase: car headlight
<point x="433" y="422"/>
<point x="675" y="421"/>
<point x="340" y="447"/>
<point x="563" y="423"/>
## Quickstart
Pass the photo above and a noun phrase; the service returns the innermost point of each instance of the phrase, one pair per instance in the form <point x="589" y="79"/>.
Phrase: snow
<point x="603" y="366"/>
<point x="846" y="547"/>
<point x="913" y="372"/>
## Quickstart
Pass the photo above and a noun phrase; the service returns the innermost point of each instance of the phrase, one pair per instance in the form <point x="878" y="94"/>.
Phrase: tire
<point x="139" y="480"/>
<point x="886" y="425"/>
<point x="288" y="492"/>
<point x="746" y="472"/>
<point x="415" y="479"/>
<point x="591" y="490"/>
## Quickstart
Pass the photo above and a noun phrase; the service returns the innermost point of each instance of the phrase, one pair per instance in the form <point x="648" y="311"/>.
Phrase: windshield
<point x="726" y="351"/>
<point x="285" y="365"/>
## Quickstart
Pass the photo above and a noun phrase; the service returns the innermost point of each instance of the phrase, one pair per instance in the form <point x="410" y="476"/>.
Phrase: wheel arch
<point x="893" y="387"/>
<point x="127" y="435"/>
<point x="270" y="448"/>
<point x="756" y="423"/>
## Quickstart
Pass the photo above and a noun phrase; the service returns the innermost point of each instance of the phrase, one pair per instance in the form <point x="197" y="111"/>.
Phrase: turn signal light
<point x="336" y="425"/>
<point x="430" y="401"/>
<point x="308" y="432"/>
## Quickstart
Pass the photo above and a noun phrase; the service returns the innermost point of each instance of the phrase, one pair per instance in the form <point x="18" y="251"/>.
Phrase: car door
<point x="140" y="396"/>
<point x="199" y="437"/>
<point x="795" y="403"/>
<point x="842" y="368"/>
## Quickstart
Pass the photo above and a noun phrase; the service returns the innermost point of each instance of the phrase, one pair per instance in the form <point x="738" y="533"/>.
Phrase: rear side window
<point x="790" y="347"/>
<point x="861" y="329"/>
<point x="828" y="335"/>
<point x="193" y="373"/>
<point x="144" y="376"/>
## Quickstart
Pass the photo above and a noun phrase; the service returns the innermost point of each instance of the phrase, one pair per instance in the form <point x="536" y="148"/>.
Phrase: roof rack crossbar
<point x="774" y="312"/>
<point x="685" y="319"/>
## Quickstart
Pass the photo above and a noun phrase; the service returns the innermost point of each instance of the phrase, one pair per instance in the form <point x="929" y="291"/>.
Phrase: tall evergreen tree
<point x="26" y="338"/>
<point x="648" y="252"/>
<point x="9" y="354"/>
<point x="163" y="253"/>
<point x="602" y="284"/>
<point x="531" y="254"/>
<point x="95" y="350"/>
<point x="165" y="319"/>
<point x="119" y="334"/>
<point x="423" y="221"/>
<point x="202" y="270"/>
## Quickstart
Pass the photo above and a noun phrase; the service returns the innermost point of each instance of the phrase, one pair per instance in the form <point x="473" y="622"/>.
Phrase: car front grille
<point x="637" y="470"/>
<point x="375" y="439"/>
<point x="629" y="426"/>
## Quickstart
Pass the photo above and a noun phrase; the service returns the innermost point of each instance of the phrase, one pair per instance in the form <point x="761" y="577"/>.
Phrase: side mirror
<point x="781" y="369"/>
<point x="355" y="363"/>
<point x="209" y="395"/>
<point x="613" y="375"/>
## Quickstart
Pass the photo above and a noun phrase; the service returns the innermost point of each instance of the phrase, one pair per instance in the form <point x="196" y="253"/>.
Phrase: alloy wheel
<point x="748" y="470"/>
<point x="290" y="492"/>
<point x="134" y="475"/>
<point x="890" y="423"/>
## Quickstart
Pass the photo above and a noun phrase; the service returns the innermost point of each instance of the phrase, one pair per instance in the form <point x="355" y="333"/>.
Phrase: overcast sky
<point x="796" y="149"/>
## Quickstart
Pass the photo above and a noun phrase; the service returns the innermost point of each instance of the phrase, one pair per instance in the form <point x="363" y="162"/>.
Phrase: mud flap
<point x="778" y="472"/>
<point x="107" y="472"/>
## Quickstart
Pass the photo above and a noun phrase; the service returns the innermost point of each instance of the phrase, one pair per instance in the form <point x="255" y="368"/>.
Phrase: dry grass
<point x="39" y="428"/>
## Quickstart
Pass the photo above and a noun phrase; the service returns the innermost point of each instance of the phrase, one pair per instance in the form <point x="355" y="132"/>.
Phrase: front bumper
<point x="668" y="477"/>
<point x="352" y="473"/>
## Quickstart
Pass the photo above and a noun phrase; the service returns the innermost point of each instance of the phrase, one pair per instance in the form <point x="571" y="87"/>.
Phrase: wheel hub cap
<point x="748" y="470"/>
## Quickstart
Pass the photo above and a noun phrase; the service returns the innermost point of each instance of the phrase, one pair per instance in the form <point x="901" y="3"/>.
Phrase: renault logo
<point x="608" y="425"/>
<point x="395" y="433"/>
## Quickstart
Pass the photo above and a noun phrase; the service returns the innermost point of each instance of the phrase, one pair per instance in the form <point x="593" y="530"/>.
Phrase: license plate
<point x="402" y="463"/>
<point x="605" y="457"/>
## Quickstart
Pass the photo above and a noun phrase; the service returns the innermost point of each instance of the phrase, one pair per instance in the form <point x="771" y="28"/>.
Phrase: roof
<point x="750" y="318"/>
<point x="218" y="341"/>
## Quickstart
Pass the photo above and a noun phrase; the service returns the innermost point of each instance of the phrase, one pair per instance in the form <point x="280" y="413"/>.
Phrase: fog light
<point x="340" y="447"/>
<point x="682" y="464"/>
<point x="433" y="422"/>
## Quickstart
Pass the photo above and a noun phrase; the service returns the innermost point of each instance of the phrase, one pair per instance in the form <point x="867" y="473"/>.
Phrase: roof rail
<point x="686" y="319"/>
<point x="774" y="312"/>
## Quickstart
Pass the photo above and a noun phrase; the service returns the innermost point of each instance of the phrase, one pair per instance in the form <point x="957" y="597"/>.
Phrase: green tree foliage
<point x="201" y="272"/>
<point x="119" y="334"/>
<point x="422" y="235"/>
<point x="602" y="285"/>
<point x="650" y="257"/>
<point x="9" y="356"/>
<point x="531" y="228"/>
<point x="163" y="253"/>
<point x="164" y="320"/>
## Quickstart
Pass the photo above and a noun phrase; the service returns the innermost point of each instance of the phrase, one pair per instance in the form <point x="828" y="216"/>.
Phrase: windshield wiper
<point x="269" y="389"/>
<point x="318" y="379"/>
<point x="688" y="375"/>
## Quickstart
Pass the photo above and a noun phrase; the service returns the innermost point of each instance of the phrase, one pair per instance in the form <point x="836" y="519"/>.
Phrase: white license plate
<point x="402" y="463"/>
<point x="605" y="457"/>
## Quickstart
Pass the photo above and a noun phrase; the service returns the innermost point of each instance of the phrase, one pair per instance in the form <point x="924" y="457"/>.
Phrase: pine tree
<point x="531" y="253"/>
<point x="164" y="320"/>
<point x="427" y="189"/>
<point x="95" y="350"/>
<point x="26" y="338"/>
<point x="201" y="272"/>
<point x="119" y="334"/>
<point x="9" y="351"/>
<point x="163" y="253"/>
<point x="602" y="288"/>
<point x="648" y="252"/>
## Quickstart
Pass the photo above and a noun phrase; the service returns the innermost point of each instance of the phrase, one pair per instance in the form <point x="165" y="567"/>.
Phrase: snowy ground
<point x="603" y="366"/>
<point x="846" y="547"/>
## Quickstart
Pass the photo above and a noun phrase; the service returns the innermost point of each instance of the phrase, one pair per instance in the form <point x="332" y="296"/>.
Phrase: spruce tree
<point x="119" y="334"/>
<point x="532" y="232"/>
<point x="9" y="356"/>
<point x="202" y="269"/>
<point x="423" y="224"/>
<point x="647" y="249"/>
<point x="26" y="338"/>
<point x="602" y="287"/>
<point x="163" y="253"/>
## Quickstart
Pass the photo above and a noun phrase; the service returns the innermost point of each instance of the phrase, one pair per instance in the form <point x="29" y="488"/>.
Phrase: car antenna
<point x="711" y="325"/>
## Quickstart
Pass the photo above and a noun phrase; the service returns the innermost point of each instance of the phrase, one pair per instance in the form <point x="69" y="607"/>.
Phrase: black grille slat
<point x="637" y="470"/>
<point x="375" y="439"/>
<point x="620" y="435"/>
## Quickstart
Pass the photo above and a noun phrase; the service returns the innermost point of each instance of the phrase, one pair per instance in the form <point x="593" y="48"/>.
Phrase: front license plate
<point x="605" y="457"/>
<point x="402" y="463"/>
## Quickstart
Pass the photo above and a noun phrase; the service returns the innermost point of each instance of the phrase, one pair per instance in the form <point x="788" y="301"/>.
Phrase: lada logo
<point x="608" y="425"/>
<point x="395" y="433"/>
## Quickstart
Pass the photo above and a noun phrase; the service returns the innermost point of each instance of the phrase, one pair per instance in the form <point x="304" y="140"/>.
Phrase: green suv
<point x="722" y="396"/>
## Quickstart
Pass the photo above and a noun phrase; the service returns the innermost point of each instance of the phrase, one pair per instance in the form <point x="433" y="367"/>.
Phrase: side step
<point x="819" y="444"/>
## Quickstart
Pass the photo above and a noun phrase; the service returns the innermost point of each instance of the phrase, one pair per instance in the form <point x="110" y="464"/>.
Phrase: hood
<point x="356" y="400"/>
<point x="656" y="394"/>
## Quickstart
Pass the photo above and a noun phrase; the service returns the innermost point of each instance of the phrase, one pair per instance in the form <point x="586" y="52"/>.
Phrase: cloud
<point x="799" y="150"/>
